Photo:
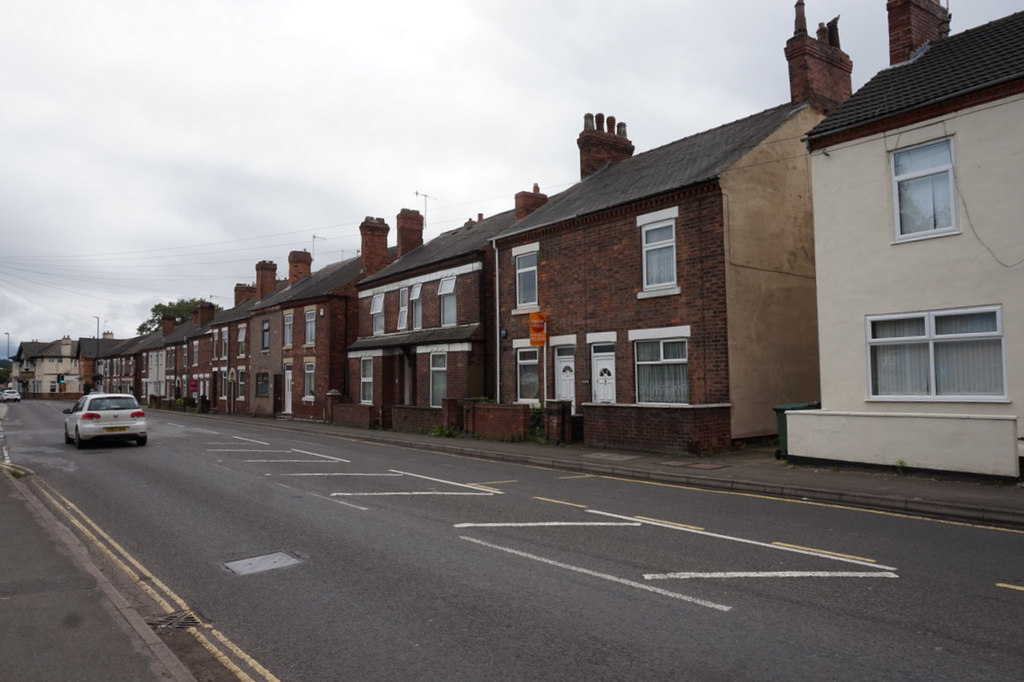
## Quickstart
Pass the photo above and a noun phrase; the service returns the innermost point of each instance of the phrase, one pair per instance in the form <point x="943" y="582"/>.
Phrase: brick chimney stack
<point x="243" y="292"/>
<point x="167" y="324"/>
<point x="912" y="23"/>
<point x="203" y="314"/>
<point x="266" y="278"/>
<point x="600" y="147"/>
<point x="299" y="265"/>
<point x="528" y="202"/>
<point x="819" y="71"/>
<point x="374" y="233"/>
<point x="409" y="225"/>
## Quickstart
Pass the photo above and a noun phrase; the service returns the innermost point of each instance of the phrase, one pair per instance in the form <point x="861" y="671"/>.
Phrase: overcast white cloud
<point x="154" y="150"/>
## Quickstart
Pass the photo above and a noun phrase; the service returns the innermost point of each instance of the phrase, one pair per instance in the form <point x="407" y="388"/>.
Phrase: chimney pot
<point x="528" y="202"/>
<point x="600" y="146"/>
<point x="819" y="71"/>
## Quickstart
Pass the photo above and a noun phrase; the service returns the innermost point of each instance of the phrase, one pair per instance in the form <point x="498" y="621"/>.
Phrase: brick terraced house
<point x="677" y="285"/>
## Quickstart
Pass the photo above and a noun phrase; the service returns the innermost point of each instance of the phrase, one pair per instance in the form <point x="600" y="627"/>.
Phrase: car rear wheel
<point x="67" y="439"/>
<point x="141" y="440"/>
<point x="79" y="443"/>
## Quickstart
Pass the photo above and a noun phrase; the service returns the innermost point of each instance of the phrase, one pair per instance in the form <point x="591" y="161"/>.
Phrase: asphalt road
<point x="407" y="564"/>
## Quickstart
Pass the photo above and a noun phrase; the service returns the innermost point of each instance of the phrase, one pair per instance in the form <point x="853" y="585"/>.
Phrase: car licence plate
<point x="112" y="429"/>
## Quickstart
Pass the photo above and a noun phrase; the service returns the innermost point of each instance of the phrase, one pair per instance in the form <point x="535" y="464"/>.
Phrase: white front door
<point x="287" y="407"/>
<point x="604" y="373"/>
<point x="565" y="375"/>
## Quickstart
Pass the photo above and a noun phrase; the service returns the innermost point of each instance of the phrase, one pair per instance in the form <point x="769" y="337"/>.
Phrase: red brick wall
<point x="412" y="419"/>
<point x="669" y="430"/>
<point x="589" y="275"/>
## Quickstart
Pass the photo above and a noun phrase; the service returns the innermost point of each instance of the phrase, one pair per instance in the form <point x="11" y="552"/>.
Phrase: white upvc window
<point x="403" y="308"/>
<point x="438" y="378"/>
<point x="195" y="353"/>
<point x="661" y="371"/>
<point x="526" y="279"/>
<point x="658" y="242"/>
<point x="528" y="374"/>
<point x="224" y="336"/>
<point x="241" y="340"/>
<point x="417" y="306"/>
<point x="309" y="379"/>
<point x="446" y="296"/>
<point x="216" y="342"/>
<point x="377" y="313"/>
<point x="924" y="190"/>
<point x="241" y="383"/>
<point x="366" y="380"/>
<point x="310" y="327"/>
<point x="938" y="355"/>
<point x="289" y="325"/>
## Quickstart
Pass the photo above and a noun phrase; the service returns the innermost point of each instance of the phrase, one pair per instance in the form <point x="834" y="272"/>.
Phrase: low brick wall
<point x="696" y="430"/>
<point x="412" y="419"/>
<point x="488" y="420"/>
<point x="361" y="416"/>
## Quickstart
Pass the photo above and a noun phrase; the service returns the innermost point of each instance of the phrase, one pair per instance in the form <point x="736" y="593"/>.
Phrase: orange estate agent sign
<point x="538" y="329"/>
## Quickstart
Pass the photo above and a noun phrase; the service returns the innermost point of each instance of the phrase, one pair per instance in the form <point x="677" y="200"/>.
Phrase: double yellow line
<point x="244" y="666"/>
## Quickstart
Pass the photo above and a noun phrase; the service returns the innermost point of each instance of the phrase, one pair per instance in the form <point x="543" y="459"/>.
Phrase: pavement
<point x="61" y="619"/>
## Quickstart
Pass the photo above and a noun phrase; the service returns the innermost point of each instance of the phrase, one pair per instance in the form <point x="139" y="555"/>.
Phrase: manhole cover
<point x="258" y="564"/>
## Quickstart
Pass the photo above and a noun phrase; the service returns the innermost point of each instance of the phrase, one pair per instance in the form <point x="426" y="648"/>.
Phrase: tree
<point x="181" y="310"/>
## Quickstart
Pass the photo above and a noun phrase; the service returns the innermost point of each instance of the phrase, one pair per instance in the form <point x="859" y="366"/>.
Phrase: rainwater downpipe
<point x="497" y="324"/>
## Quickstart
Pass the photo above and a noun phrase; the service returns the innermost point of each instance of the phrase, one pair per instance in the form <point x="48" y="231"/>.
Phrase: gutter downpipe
<point x="497" y="324"/>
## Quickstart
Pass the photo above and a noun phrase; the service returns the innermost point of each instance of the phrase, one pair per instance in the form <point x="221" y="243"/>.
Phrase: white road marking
<point x="327" y="457"/>
<point x="419" y="492"/>
<point x="340" y="473"/>
<point x="250" y="440"/>
<point x="602" y="576"/>
<point x="771" y="574"/>
<point x="244" y="450"/>
<point x="441" y="480"/>
<point x="541" y="524"/>
<point x="756" y="543"/>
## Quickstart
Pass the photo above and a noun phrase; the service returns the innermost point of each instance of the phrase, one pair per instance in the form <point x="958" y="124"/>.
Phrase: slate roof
<point x="975" y="59"/>
<point x="466" y="332"/>
<point x="448" y="245"/>
<point x="319" y="283"/>
<point x="679" y="164"/>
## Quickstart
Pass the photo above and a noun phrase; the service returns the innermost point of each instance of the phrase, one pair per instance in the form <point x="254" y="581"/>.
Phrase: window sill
<point x="658" y="293"/>
<point x="919" y="236"/>
<point x="526" y="310"/>
<point x="996" y="400"/>
<point x="308" y="399"/>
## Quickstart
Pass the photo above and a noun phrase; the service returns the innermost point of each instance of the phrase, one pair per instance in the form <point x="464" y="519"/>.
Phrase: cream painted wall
<point x="861" y="271"/>
<point x="770" y="288"/>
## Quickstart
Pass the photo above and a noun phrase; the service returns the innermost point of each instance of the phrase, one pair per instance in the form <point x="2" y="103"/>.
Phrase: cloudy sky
<point x="154" y="150"/>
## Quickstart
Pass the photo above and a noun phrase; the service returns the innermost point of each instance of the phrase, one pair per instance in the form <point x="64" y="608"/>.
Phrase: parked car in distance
<point x="10" y="395"/>
<point x="105" y="416"/>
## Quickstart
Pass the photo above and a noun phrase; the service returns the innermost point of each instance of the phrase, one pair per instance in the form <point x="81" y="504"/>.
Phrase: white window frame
<point x="289" y="327"/>
<point x="310" y="328"/>
<point x="416" y="302"/>
<point x="947" y="168"/>
<point x="216" y="342"/>
<point x="661" y="362"/>
<point x="523" y="360"/>
<point x="240" y="384"/>
<point x="447" y="302"/>
<point x="366" y="380"/>
<point x="377" y="313"/>
<point x="518" y="255"/>
<point x="308" y="379"/>
<point x="438" y="368"/>
<point x="648" y="223"/>
<point x="241" y="340"/>
<point x="930" y="337"/>
<point x="403" y="308"/>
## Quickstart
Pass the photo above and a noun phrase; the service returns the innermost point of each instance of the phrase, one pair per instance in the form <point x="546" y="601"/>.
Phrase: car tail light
<point x="138" y="414"/>
<point x="90" y="415"/>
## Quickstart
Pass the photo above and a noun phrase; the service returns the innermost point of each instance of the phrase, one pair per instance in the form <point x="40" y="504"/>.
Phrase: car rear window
<point x="113" y="404"/>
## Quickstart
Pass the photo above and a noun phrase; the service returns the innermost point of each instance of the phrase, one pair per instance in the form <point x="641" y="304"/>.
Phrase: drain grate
<point x="258" y="564"/>
<point x="181" y="620"/>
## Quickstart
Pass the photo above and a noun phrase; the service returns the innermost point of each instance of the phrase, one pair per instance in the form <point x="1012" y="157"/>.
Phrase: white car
<point x="105" y="416"/>
<point x="9" y="395"/>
